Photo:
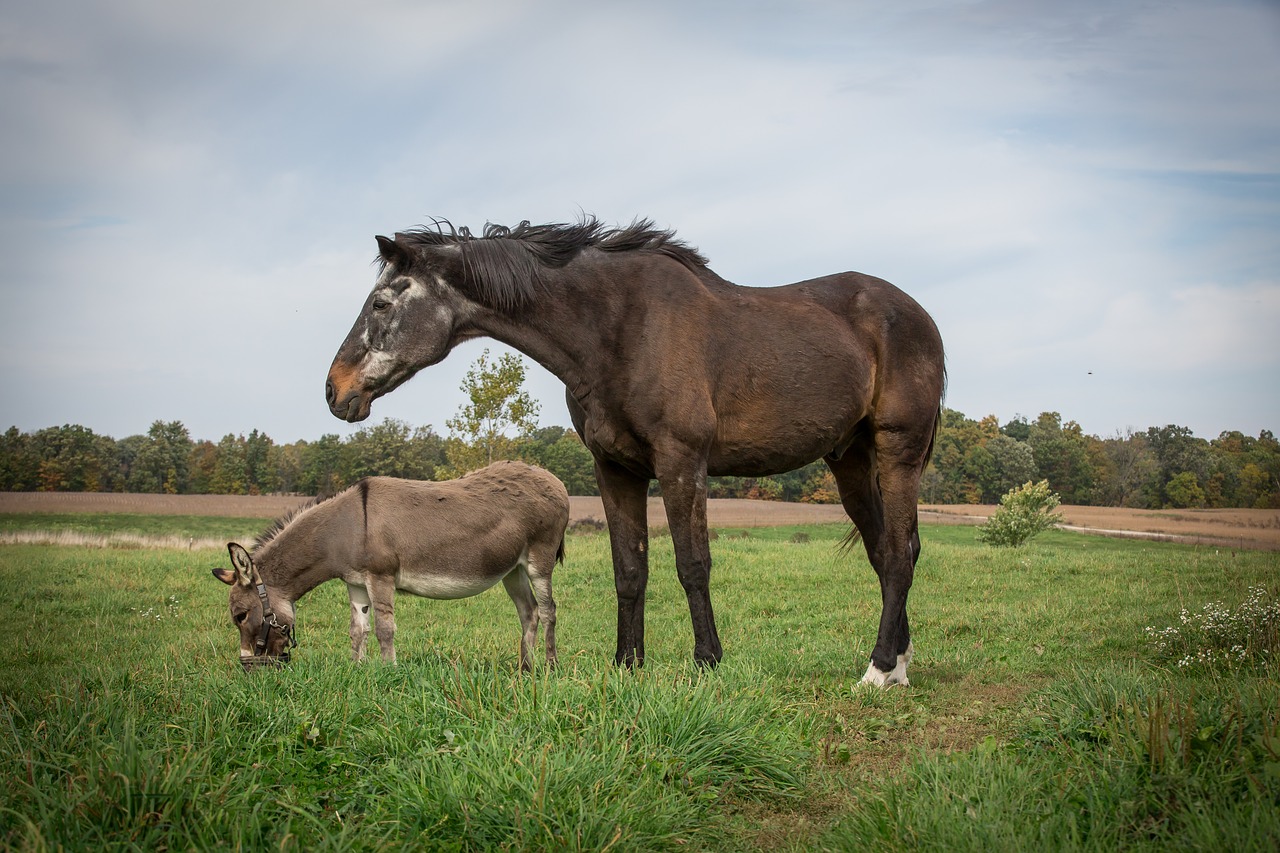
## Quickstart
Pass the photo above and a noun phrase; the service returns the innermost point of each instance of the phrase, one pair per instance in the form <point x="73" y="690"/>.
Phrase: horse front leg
<point x="359" y="620"/>
<point x="625" y="498"/>
<point x="684" y="493"/>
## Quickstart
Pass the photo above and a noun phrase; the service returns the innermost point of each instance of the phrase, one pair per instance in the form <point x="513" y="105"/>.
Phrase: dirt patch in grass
<point x="956" y="718"/>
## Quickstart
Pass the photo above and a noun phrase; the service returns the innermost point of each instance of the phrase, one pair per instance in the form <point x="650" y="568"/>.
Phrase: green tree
<point x="1176" y="450"/>
<point x="1183" y="491"/>
<point x="1012" y="462"/>
<point x="1062" y="457"/>
<point x="393" y="448"/>
<point x="497" y="419"/>
<point x="162" y="461"/>
<point x="69" y="459"/>
<point x="19" y="464"/>
<point x="949" y="478"/>
<point x="201" y="466"/>
<point x="323" y="466"/>
<point x="261" y="474"/>
<point x="231" y="470"/>
<point x="1246" y="470"/>
<point x="562" y="452"/>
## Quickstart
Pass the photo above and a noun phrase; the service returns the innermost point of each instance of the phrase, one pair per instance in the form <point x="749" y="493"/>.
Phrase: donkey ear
<point x="243" y="564"/>
<point x="391" y="251"/>
<point x="225" y="575"/>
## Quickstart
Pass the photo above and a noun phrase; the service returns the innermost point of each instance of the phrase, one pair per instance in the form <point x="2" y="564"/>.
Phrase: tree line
<point x="974" y="461"/>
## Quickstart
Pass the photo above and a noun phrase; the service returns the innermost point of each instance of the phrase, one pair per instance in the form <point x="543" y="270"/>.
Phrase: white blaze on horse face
<point x="377" y="363"/>
<point x="398" y="291"/>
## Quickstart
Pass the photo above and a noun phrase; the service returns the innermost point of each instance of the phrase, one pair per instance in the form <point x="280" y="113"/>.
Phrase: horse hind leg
<point x="516" y="583"/>
<point x="873" y="497"/>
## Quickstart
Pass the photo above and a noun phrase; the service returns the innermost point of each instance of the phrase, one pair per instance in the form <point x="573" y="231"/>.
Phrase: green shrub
<point x="1024" y="512"/>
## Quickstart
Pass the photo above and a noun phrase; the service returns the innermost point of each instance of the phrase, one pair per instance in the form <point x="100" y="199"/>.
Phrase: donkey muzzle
<point x="253" y="662"/>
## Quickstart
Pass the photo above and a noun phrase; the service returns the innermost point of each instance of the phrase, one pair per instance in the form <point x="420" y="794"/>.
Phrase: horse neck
<point x="573" y="321"/>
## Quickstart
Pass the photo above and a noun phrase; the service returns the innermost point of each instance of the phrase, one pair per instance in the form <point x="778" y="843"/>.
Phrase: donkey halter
<point x="269" y="623"/>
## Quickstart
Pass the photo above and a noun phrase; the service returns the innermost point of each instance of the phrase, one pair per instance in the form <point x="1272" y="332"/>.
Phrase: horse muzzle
<point x="351" y="406"/>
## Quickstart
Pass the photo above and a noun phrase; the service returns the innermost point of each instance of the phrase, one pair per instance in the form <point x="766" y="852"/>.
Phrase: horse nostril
<point x="330" y="392"/>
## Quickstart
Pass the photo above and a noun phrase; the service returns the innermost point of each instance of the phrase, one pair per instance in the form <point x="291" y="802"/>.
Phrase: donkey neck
<point x="290" y="572"/>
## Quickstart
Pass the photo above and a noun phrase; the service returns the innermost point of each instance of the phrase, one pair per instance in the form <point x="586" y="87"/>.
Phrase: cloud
<point x="190" y="192"/>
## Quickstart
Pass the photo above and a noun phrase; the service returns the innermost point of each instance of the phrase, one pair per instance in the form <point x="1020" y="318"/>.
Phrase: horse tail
<point x="937" y="422"/>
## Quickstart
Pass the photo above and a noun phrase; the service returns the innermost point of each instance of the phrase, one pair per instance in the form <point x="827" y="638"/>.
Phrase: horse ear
<point x="225" y="575"/>
<point x="243" y="563"/>
<point x="391" y="251"/>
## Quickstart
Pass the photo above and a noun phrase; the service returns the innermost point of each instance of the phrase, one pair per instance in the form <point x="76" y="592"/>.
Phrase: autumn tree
<point x="70" y="459"/>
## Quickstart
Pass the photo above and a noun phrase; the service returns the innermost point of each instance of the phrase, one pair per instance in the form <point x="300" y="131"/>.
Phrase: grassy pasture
<point x="1040" y="716"/>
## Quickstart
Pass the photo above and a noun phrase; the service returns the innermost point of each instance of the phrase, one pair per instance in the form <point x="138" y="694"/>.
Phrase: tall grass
<point x="1040" y="715"/>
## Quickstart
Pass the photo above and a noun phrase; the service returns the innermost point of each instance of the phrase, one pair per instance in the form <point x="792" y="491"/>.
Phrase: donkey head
<point x="263" y="637"/>
<point x="411" y="320"/>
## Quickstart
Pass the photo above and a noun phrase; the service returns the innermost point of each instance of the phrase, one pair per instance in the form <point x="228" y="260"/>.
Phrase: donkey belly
<point x="453" y="581"/>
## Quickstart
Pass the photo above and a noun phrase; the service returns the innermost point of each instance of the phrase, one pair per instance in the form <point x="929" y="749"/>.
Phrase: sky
<point x="1084" y="195"/>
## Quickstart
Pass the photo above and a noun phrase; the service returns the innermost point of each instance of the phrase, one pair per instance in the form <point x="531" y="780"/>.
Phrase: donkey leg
<point x="684" y="494"/>
<point x="516" y="583"/>
<point x="625" y="498"/>
<point x="359" y="620"/>
<point x="382" y="590"/>
<point x="540" y="565"/>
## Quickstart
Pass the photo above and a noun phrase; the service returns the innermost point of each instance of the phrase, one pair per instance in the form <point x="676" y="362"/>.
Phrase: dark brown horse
<point x="673" y="373"/>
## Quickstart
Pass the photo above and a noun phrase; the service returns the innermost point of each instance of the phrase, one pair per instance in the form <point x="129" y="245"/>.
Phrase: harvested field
<point x="1239" y="528"/>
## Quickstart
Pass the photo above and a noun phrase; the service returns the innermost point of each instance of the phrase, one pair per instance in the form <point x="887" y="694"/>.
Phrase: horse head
<point x="411" y="320"/>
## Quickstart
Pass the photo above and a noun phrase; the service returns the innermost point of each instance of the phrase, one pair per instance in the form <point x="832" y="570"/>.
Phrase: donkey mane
<point x="278" y="526"/>
<point x="502" y="267"/>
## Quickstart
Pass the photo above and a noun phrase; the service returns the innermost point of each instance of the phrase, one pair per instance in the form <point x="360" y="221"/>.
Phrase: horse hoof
<point x="898" y="675"/>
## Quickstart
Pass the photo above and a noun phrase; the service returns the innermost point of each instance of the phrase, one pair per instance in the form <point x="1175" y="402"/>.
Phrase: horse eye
<point x="381" y="305"/>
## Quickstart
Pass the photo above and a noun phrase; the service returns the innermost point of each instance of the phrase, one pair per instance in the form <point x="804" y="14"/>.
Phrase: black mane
<point x="502" y="267"/>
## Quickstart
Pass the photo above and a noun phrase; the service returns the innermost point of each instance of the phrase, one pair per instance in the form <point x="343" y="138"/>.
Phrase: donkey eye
<point x="239" y="617"/>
